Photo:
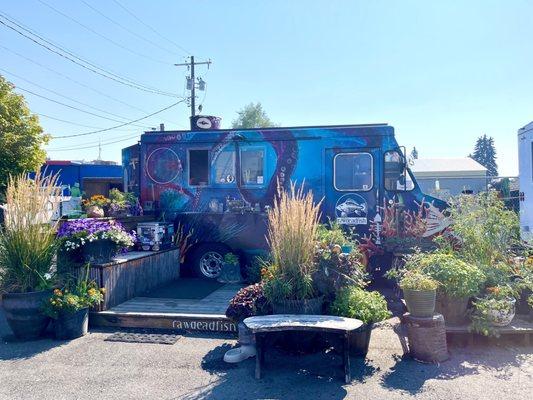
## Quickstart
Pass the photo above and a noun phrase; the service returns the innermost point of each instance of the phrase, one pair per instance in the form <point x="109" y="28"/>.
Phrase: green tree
<point x="252" y="116"/>
<point x="21" y="136"/>
<point x="485" y="154"/>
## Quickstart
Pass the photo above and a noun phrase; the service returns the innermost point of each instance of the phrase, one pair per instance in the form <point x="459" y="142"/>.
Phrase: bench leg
<point x="259" y="357"/>
<point x="346" y="357"/>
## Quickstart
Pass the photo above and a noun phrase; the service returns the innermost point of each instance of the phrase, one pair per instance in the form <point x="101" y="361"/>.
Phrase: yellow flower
<point x="71" y="301"/>
<point x="91" y="292"/>
<point x="58" y="292"/>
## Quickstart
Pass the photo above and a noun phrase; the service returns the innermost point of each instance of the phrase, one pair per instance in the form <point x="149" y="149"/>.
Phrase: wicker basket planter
<point x="420" y="303"/>
<point x="427" y="338"/>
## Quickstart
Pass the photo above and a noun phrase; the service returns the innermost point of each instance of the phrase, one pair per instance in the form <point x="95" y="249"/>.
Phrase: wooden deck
<point x="207" y="314"/>
<point x="519" y="327"/>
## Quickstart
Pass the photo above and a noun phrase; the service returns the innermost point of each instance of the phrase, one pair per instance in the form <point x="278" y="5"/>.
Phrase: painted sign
<point x="351" y="209"/>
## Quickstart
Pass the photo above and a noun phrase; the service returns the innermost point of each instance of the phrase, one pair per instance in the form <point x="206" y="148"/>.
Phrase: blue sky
<point x="442" y="73"/>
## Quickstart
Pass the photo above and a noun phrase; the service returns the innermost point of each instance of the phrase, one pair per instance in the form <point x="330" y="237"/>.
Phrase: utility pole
<point x="191" y="81"/>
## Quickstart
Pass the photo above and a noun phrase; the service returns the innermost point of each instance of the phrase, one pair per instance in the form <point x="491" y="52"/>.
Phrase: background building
<point x="445" y="177"/>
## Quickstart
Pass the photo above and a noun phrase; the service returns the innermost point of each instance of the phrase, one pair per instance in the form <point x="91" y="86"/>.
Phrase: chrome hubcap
<point x="211" y="264"/>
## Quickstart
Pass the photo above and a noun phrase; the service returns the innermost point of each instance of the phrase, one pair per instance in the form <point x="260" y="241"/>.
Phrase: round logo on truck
<point x="351" y="209"/>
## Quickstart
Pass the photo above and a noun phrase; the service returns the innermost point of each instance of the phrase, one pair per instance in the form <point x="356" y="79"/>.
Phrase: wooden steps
<point x="207" y="314"/>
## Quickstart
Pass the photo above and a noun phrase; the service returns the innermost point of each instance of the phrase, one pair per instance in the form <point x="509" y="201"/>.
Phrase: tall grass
<point x="292" y="229"/>
<point x="27" y="239"/>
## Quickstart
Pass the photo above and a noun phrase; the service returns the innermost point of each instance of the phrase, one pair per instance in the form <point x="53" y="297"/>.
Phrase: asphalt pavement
<point x="192" y="368"/>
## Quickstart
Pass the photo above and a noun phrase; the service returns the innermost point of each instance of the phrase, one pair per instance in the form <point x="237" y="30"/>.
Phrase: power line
<point x="127" y="29"/>
<point x="67" y="105"/>
<point x="150" y="27"/>
<point x="101" y="35"/>
<point x="82" y="84"/>
<point x="89" y="145"/>
<point x="67" y="97"/>
<point x="73" y="58"/>
<point x="68" y="122"/>
<point x="119" y="126"/>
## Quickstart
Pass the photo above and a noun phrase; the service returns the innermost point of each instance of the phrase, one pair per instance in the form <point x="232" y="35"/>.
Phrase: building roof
<point x="452" y="167"/>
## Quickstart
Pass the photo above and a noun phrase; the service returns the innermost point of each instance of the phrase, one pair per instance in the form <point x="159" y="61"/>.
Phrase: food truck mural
<point x="216" y="185"/>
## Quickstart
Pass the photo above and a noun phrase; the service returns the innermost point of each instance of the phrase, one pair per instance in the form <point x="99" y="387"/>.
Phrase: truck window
<point x="352" y="171"/>
<point x="225" y="168"/>
<point x="252" y="166"/>
<point x="396" y="175"/>
<point x="198" y="167"/>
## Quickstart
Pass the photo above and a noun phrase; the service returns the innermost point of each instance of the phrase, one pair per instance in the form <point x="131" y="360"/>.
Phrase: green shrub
<point x="354" y="302"/>
<point x="456" y="277"/>
<point x="415" y="280"/>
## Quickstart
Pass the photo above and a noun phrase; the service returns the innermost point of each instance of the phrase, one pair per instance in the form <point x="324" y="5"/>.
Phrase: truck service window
<point x="353" y="171"/>
<point x="252" y="166"/>
<point x="225" y="168"/>
<point x="198" y="167"/>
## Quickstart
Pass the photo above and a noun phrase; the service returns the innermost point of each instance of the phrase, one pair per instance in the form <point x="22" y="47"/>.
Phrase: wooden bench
<point x="262" y="325"/>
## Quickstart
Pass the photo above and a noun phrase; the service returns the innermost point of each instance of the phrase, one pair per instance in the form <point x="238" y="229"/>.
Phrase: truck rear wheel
<point x="207" y="260"/>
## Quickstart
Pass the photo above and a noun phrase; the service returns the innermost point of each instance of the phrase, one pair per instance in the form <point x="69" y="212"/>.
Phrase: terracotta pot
<point x="23" y="313"/>
<point x="95" y="212"/>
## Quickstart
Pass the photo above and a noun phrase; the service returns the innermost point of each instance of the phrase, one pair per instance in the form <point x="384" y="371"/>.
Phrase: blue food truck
<point x="216" y="185"/>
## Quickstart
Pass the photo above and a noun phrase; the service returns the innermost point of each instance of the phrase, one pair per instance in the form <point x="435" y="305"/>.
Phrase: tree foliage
<point x="485" y="154"/>
<point x="21" y="136"/>
<point x="252" y="116"/>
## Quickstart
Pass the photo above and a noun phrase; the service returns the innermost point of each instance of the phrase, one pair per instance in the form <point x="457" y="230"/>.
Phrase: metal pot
<point x="23" y="313"/>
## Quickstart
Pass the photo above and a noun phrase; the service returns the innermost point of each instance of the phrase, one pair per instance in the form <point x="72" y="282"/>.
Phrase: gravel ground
<point x="89" y="368"/>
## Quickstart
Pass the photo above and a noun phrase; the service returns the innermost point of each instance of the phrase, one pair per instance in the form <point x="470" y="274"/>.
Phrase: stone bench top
<point x="283" y="322"/>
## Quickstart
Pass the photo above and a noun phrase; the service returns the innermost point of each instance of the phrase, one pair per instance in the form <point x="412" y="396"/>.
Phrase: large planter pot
<point x="99" y="251"/>
<point x="95" y="212"/>
<point x="71" y="325"/>
<point x="308" y="306"/>
<point x="23" y="313"/>
<point x="420" y="303"/>
<point x="503" y="317"/>
<point x="454" y="309"/>
<point x="359" y="340"/>
<point x="300" y="342"/>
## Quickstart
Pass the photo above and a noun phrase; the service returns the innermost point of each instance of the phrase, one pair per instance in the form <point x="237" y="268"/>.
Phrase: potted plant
<point x="231" y="270"/>
<point x="419" y="292"/>
<point x="368" y="307"/>
<point x="248" y="302"/>
<point x="123" y="204"/>
<point x="27" y="249"/>
<point x="495" y="309"/>
<point x="69" y="307"/>
<point x="457" y="281"/>
<point x="292" y="229"/>
<point x="99" y="241"/>
<point x="94" y="206"/>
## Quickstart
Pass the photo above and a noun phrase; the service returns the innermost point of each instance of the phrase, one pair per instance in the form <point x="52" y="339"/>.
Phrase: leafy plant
<point x="496" y="299"/>
<point x="354" y="302"/>
<point x="415" y="280"/>
<point x="123" y="202"/>
<point x="97" y="200"/>
<point x="27" y="239"/>
<point x="231" y="259"/>
<point x="293" y="225"/>
<point x="456" y="277"/>
<point x="253" y="269"/>
<point x="76" y="295"/>
<point x="248" y="302"/>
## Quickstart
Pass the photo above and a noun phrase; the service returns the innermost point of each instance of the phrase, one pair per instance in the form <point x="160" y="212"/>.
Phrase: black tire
<point x="206" y="258"/>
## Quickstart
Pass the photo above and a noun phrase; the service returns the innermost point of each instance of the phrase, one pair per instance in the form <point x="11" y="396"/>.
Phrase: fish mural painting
<point x="217" y="184"/>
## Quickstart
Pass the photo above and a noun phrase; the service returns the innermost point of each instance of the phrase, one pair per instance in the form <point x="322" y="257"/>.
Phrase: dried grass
<point x="27" y="240"/>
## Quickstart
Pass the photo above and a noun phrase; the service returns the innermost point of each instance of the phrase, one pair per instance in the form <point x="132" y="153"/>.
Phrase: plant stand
<point x="426" y="337"/>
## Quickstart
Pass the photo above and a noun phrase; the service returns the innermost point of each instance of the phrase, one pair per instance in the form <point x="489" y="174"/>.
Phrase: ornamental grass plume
<point x="293" y="224"/>
<point x="27" y="239"/>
